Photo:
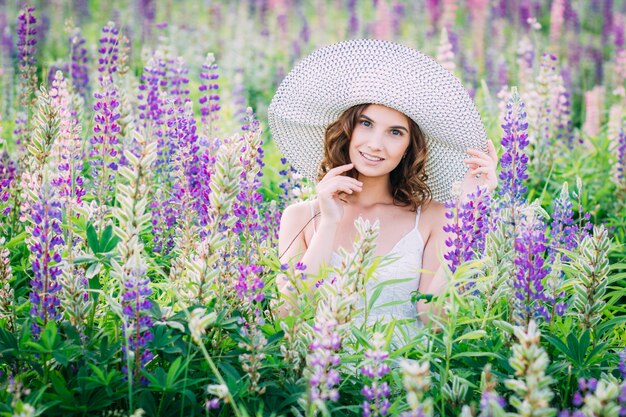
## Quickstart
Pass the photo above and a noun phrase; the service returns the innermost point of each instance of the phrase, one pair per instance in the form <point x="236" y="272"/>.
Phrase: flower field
<point x="141" y="194"/>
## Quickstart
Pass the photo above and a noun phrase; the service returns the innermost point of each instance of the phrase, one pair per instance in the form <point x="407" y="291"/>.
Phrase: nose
<point x="376" y="141"/>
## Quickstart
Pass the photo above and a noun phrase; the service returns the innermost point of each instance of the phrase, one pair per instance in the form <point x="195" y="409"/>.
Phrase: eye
<point x="396" y="132"/>
<point x="365" y="123"/>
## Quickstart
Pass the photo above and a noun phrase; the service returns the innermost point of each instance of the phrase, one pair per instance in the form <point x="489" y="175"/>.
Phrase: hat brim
<point x="336" y="77"/>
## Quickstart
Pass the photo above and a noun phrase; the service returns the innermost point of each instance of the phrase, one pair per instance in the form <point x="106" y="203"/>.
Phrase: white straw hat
<point x="336" y="77"/>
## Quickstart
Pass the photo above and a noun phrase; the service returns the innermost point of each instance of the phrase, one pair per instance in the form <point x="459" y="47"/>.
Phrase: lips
<point x="371" y="158"/>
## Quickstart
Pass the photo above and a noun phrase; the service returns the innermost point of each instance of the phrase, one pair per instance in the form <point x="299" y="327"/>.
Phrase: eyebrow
<point x="391" y="127"/>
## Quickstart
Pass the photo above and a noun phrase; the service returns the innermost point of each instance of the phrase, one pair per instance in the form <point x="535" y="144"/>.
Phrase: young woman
<point x="393" y="162"/>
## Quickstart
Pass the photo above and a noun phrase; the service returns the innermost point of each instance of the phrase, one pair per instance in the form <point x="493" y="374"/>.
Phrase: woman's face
<point x="379" y="140"/>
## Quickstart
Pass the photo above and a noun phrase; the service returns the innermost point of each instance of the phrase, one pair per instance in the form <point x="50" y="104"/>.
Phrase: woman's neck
<point x="376" y="190"/>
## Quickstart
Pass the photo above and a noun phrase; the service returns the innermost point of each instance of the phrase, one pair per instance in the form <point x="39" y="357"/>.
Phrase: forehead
<point x="385" y="114"/>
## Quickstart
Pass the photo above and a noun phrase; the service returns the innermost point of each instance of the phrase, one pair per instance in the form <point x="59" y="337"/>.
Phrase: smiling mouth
<point x="371" y="157"/>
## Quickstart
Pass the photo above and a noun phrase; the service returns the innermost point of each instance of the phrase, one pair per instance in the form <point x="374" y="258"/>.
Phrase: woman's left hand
<point x="482" y="169"/>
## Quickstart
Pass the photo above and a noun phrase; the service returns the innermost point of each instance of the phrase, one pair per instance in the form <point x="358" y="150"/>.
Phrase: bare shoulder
<point x="434" y="212"/>
<point x="298" y="212"/>
<point x="296" y="226"/>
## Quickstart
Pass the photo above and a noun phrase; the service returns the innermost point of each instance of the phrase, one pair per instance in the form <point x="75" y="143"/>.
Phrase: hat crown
<point x="336" y="77"/>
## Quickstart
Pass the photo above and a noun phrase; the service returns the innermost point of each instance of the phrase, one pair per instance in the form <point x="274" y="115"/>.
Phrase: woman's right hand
<point x="330" y="189"/>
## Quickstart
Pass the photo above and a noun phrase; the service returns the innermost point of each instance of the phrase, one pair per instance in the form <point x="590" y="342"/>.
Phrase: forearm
<point x="436" y="287"/>
<point x="317" y="254"/>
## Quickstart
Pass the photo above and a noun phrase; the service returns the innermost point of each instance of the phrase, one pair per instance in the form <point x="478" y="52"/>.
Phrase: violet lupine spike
<point x="562" y="229"/>
<point x="530" y="271"/>
<point x="79" y="70"/>
<point x="8" y="170"/>
<point x="514" y="161"/>
<point x="153" y="108"/>
<point x="209" y="97"/>
<point x="353" y="23"/>
<point x="249" y="285"/>
<point x="469" y="228"/>
<point x="104" y="152"/>
<point x="46" y="236"/>
<point x="26" y="51"/>
<point x="249" y="199"/>
<point x="376" y="392"/>
<point x="322" y="362"/>
<point x="109" y="53"/>
<point x="620" y="165"/>
<point x="137" y="322"/>
<point x="69" y="144"/>
<point x="178" y="81"/>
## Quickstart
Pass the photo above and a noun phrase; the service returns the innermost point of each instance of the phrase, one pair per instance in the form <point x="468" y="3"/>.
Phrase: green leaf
<point x="609" y="325"/>
<point x="92" y="239"/>
<point x="473" y="335"/>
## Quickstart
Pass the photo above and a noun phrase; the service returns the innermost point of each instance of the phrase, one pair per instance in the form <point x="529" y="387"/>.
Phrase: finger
<point x="345" y="180"/>
<point x="478" y="161"/>
<point x="491" y="150"/>
<point x="480" y="170"/>
<point x="339" y="170"/>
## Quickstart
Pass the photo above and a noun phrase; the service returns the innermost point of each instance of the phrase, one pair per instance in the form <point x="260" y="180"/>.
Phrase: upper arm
<point x="434" y="248"/>
<point x="291" y="241"/>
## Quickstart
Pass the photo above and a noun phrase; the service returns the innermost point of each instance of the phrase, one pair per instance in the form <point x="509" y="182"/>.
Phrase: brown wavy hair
<point x="407" y="180"/>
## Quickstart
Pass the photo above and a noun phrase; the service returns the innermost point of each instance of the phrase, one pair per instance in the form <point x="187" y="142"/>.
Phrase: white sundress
<point x="403" y="263"/>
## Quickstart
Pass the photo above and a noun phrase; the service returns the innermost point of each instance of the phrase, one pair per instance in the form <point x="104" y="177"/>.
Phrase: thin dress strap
<point x="313" y="215"/>
<point x="418" y="212"/>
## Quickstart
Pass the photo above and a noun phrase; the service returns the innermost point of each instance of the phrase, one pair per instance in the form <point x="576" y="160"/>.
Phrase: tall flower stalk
<point x="27" y="67"/>
<point x="130" y="269"/>
<point x="514" y="161"/>
<point x="530" y="271"/>
<point x="592" y="269"/>
<point x="468" y="228"/>
<point x="416" y="381"/>
<point x="105" y="150"/>
<point x="531" y="385"/>
<point x="47" y="237"/>
<point x="375" y="367"/>
<point x="209" y="98"/>
<point x="7" y="294"/>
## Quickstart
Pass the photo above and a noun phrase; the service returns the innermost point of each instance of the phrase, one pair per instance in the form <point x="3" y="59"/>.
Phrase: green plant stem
<point x="221" y="380"/>
<point x="182" y="406"/>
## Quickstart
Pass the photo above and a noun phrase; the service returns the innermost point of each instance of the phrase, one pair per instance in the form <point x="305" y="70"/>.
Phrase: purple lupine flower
<point x="435" y="10"/>
<point x="8" y="171"/>
<point x="514" y="162"/>
<point x="26" y="41"/>
<point x="620" y="165"/>
<point x="397" y="14"/>
<point x="79" y="70"/>
<point x="607" y="24"/>
<point x="323" y="361"/>
<point x="178" y="81"/>
<point x="353" y="23"/>
<point x="562" y="229"/>
<point x="489" y="399"/>
<point x="239" y="97"/>
<point x="249" y="285"/>
<point x="152" y="109"/>
<point x="209" y="97"/>
<point x="104" y="152"/>
<point x="67" y="178"/>
<point x="469" y="228"/>
<point x="46" y="215"/>
<point x="530" y="270"/>
<point x="109" y="53"/>
<point x="137" y="322"/>
<point x="376" y="392"/>
<point x="147" y="10"/>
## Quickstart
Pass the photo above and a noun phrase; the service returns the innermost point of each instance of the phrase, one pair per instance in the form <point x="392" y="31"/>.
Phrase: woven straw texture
<point x="336" y="77"/>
